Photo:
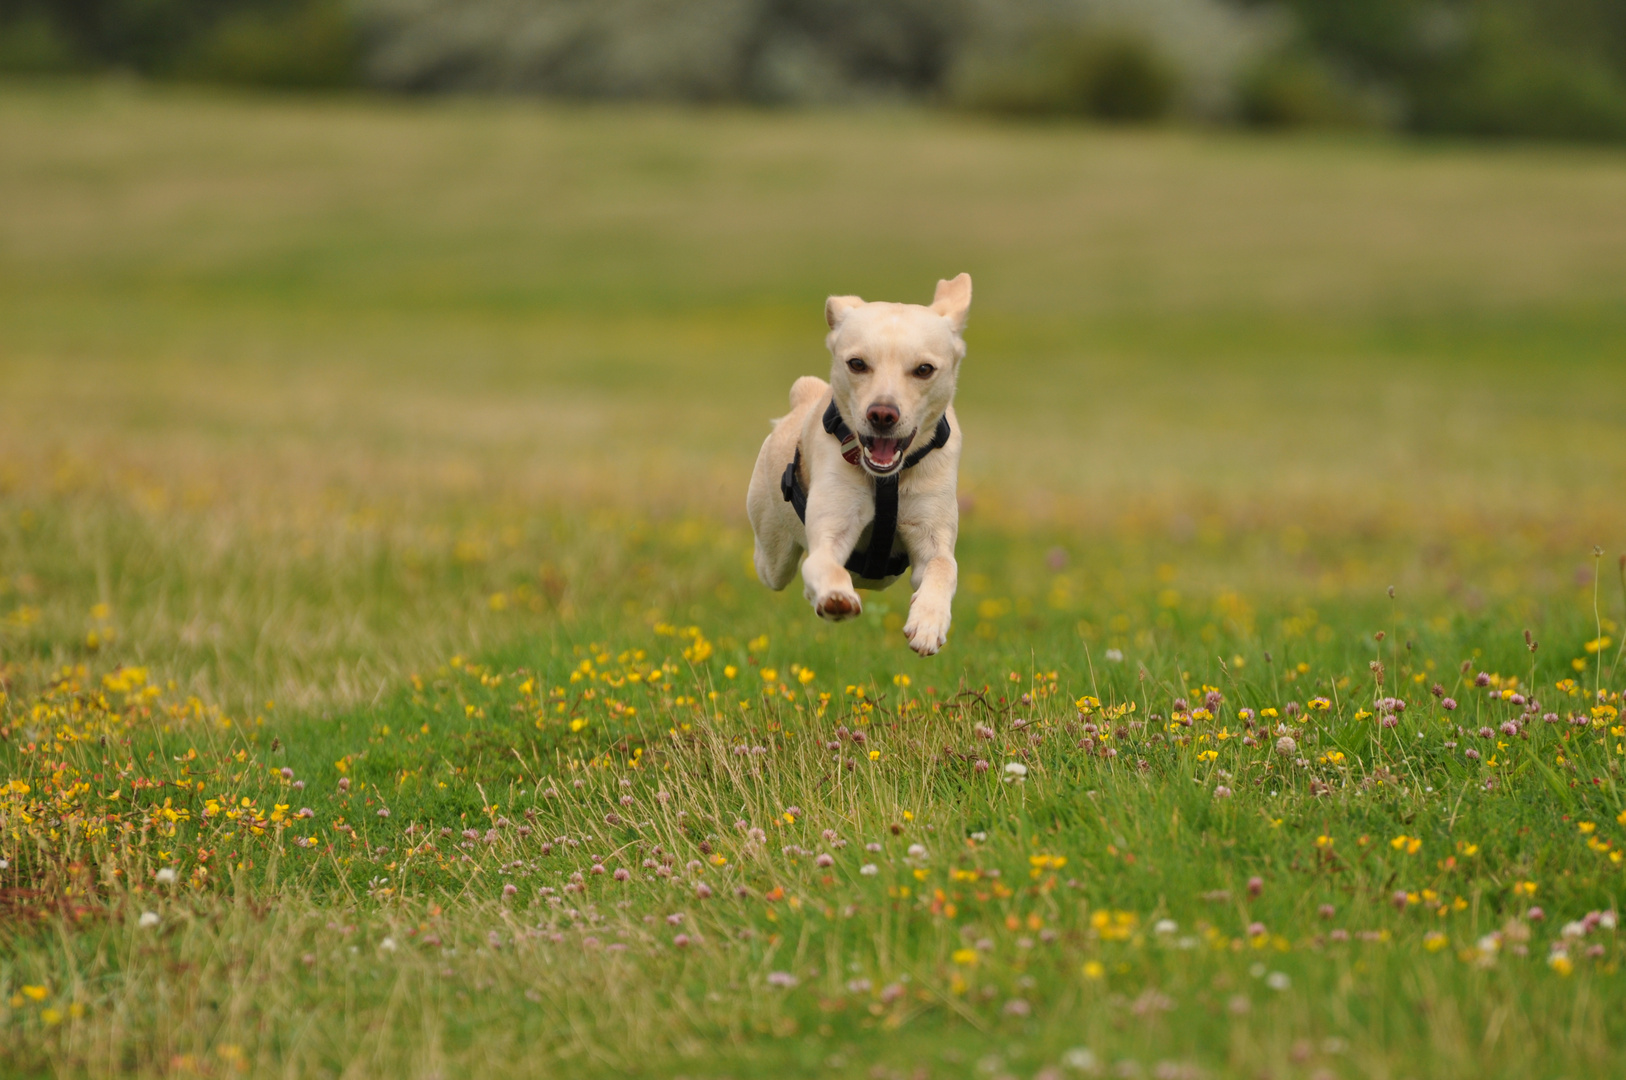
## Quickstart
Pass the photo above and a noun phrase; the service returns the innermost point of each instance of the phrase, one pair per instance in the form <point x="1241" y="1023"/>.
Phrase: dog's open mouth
<point x="884" y="456"/>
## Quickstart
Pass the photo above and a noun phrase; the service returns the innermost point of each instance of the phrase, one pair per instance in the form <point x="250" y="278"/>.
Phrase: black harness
<point x="876" y="563"/>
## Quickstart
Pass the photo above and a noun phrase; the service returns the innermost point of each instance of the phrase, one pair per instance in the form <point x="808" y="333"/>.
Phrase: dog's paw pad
<point x="838" y="606"/>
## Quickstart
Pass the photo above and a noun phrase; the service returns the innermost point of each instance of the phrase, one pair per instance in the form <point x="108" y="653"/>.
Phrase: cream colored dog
<point x="880" y="440"/>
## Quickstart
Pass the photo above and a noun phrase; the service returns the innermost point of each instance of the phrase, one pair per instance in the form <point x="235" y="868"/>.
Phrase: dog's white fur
<point x="893" y="341"/>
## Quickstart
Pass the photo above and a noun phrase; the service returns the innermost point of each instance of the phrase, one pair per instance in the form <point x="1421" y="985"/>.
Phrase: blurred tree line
<point x="1529" y="68"/>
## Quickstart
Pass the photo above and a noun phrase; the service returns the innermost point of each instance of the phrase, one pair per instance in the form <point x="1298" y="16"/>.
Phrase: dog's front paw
<point x="927" y="631"/>
<point x="838" y="604"/>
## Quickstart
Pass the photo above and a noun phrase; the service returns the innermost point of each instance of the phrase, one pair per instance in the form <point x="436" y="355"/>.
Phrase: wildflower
<point x="510" y="889"/>
<point x="1448" y="704"/>
<point x="869" y="869"/>
<point x="1017" y="1007"/>
<point x="702" y="891"/>
<point x="824" y="860"/>
<point x="1434" y="941"/>
<point x="1561" y="963"/>
<point x="1015" y="768"/>
<point x="916" y="851"/>
<point x="1222" y="792"/>
<point x="1093" y="969"/>
<point x="980" y="766"/>
<point x="782" y="979"/>
<point x="148" y="920"/>
<point x="1116" y="656"/>
<point x="1256" y="885"/>
<point x="1326" y="911"/>
<point x="388" y="944"/>
<point x="383" y="811"/>
<point x="682" y="942"/>
<point x="1165" y="927"/>
<point x="1286" y="746"/>
<point x="622" y="873"/>
<point x="166" y="875"/>
<point x="1324" y="842"/>
<point x="965" y="957"/>
<point x="1278" y="981"/>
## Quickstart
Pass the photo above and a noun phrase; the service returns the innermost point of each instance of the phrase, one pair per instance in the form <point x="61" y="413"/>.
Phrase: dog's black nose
<point x="881" y="416"/>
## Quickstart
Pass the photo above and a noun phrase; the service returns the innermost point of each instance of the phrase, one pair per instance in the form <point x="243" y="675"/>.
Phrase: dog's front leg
<point x="930" y="539"/>
<point x="931" y="608"/>
<point x="833" y="527"/>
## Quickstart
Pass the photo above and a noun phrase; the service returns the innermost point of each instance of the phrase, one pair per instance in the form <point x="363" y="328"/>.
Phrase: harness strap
<point x="877" y="562"/>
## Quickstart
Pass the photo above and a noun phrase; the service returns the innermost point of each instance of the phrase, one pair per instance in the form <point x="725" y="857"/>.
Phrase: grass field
<point x="385" y="690"/>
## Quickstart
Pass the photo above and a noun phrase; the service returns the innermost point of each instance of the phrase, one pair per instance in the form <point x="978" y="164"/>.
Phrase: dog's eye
<point x="857" y="366"/>
<point x="925" y="371"/>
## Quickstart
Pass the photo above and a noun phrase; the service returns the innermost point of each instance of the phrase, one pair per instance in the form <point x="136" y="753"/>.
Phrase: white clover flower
<point x="1080" y="1059"/>
<point x="166" y="875"/>
<point x="1015" y="768"/>
<point x="148" y="920"/>
<point x="1278" y="980"/>
<point x="1115" y="655"/>
<point x="916" y="851"/>
<point x="869" y="869"/>
<point x="1165" y="926"/>
<point x="388" y="944"/>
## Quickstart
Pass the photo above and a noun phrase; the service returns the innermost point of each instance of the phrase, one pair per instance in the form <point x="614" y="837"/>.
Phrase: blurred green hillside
<point x="1519" y="68"/>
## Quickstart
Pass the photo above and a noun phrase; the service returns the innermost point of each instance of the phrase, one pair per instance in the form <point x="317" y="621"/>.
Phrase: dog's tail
<point x="806" y="390"/>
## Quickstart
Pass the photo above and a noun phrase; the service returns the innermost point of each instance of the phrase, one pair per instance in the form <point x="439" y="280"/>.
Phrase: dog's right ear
<point x="836" y="308"/>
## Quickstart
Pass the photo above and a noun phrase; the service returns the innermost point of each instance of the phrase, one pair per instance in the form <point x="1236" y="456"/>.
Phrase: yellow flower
<point x="1409" y="844"/>
<point x="1560" y="963"/>
<point x="1323" y="842"/>
<point x="1524" y="888"/>
<point x="1208" y="755"/>
<point x="875" y="755"/>
<point x="965" y="957"/>
<point x="729" y="671"/>
<point x="36" y="993"/>
<point x="805" y="676"/>
<point x="1434" y="941"/>
<point x="1094" y="970"/>
<point x="1587" y="827"/>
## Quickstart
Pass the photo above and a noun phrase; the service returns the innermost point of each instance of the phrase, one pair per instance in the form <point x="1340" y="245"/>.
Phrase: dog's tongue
<point x="882" y="451"/>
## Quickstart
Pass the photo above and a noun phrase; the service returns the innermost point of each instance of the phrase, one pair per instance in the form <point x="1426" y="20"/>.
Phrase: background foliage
<point x="1478" y="67"/>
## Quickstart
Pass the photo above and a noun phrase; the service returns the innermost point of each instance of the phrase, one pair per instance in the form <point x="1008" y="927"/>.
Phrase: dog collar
<point x="876" y="562"/>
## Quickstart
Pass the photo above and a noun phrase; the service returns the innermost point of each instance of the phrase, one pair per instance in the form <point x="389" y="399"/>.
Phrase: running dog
<point x="862" y="473"/>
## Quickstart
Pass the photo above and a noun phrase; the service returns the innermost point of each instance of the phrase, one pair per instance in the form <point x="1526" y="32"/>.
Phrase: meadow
<point x="385" y="689"/>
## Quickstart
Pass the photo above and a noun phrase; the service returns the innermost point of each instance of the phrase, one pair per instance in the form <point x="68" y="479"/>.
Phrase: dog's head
<point x="894" y="367"/>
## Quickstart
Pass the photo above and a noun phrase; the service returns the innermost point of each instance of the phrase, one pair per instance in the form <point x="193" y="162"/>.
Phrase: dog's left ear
<point x="836" y="308"/>
<point x="953" y="300"/>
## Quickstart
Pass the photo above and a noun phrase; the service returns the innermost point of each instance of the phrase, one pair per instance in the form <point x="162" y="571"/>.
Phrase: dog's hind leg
<point x="776" y="558"/>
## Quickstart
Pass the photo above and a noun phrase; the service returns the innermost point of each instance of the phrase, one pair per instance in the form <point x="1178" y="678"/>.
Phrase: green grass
<point x="360" y="427"/>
